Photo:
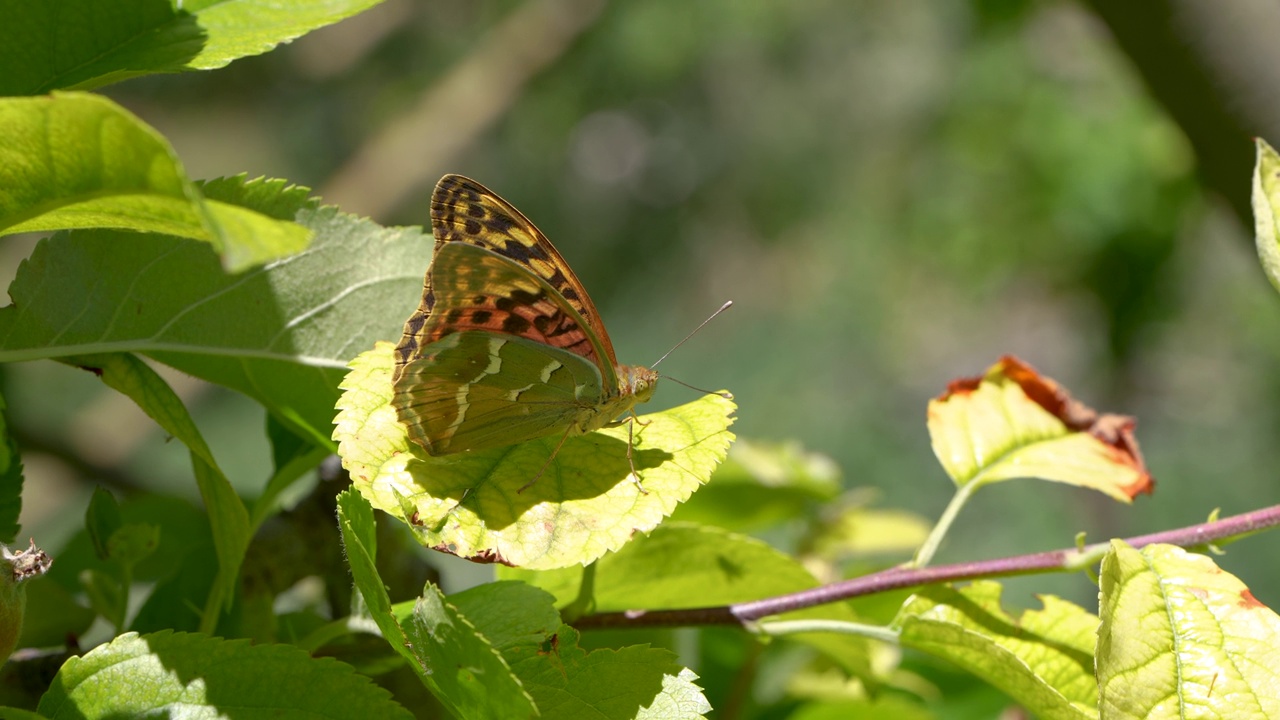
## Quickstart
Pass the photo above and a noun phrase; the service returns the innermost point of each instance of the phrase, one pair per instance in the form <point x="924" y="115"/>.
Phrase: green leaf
<point x="102" y="520"/>
<point x="855" y="530"/>
<point x="680" y="565"/>
<point x="1042" y="659"/>
<point x="631" y="682"/>
<point x="132" y="543"/>
<point x="1182" y="638"/>
<point x="521" y="624"/>
<point x="466" y="673"/>
<point x="582" y="507"/>
<point x="359" y="540"/>
<point x="509" y="613"/>
<point x="763" y="484"/>
<point x="227" y="514"/>
<point x="1014" y="423"/>
<point x="86" y="44"/>
<point x="280" y="334"/>
<point x="10" y="482"/>
<point x="80" y="161"/>
<point x="887" y="708"/>
<point x="182" y="674"/>
<point x="1266" y="203"/>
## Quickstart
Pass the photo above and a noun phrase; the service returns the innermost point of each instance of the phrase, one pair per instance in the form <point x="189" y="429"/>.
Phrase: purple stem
<point x="902" y="577"/>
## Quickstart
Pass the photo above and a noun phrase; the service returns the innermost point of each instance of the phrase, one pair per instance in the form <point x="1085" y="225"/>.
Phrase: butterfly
<point x="506" y="345"/>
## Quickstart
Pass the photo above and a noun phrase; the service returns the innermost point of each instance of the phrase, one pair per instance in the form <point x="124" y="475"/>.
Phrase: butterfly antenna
<point x="722" y="393"/>
<point x="723" y="307"/>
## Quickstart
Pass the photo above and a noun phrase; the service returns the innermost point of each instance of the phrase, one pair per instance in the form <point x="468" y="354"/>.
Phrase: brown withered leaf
<point x="1013" y="422"/>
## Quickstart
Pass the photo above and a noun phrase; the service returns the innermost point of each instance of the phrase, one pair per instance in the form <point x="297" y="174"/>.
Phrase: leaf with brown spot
<point x="1013" y="422"/>
<point x="1180" y="637"/>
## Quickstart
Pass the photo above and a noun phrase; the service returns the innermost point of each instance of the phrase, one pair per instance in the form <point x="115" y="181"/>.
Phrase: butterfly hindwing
<point x="477" y="390"/>
<point x="503" y="358"/>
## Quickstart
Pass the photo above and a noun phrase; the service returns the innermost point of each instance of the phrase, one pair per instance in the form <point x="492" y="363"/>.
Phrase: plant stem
<point x="778" y="628"/>
<point x="930" y="546"/>
<point x="1066" y="560"/>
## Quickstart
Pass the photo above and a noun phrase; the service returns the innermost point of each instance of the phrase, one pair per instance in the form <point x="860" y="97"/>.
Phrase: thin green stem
<point x="126" y="585"/>
<point x="930" y="546"/>
<point x="780" y="628"/>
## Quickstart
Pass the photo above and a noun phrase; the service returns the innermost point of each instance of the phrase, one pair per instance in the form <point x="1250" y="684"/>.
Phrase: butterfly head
<point x="639" y="382"/>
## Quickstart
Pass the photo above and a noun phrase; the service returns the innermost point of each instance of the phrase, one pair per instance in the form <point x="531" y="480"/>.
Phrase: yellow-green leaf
<point x="1041" y="658"/>
<point x="75" y="160"/>
<point x="1182" y="638"/>
<point x="762" y="484"/>
<point x="856" y="530"/>
<point x="1266" y="201"/>
<point x="583" y="505"/>
<point x="1013" y="422"/>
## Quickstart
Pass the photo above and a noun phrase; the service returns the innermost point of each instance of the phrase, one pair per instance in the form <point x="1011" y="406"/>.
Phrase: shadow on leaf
<point x="488" y="483"/>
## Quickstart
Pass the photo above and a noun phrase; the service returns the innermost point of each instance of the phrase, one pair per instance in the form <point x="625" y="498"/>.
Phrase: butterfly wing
<point x="465" y="212"/>
<point x="504" y="363"/>
<point x="477" y="390"/>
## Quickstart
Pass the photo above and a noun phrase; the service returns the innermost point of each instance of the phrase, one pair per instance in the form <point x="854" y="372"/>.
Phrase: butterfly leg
<point x="547" y="464"/>
<point x="631" y="443"/>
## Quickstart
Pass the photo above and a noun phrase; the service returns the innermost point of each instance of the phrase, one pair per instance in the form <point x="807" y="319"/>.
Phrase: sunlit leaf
<point x="86" y="44"/>
<point x="632" y="682"/>
<point x="1014" y="423"/>
<point x="1182" y="638"/>
<point x="856" y="530"/>
<point x="77" y="161"/>
<point x="1042" y="658"/>
<point x="469" y="504"/>
<point x="467" y="673"/>
<point x="762" y="484"/>
<point x="1266" y="205"/>
<point x="282" y="334"/>
<point x="888" y="708"/>
<point x="195" y="675"/>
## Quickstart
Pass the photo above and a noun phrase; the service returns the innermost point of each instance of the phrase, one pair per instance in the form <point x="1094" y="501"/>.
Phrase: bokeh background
<point x="894" y="194"/>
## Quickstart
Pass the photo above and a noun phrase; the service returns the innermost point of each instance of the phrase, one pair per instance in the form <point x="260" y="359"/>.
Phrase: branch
<point x="746" y="613"/>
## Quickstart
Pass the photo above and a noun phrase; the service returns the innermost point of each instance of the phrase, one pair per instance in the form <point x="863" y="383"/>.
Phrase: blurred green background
<point x="893" y="194"/>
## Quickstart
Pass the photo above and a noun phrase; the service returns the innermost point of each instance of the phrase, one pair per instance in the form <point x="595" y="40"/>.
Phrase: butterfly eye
<point x="642" y="382"/>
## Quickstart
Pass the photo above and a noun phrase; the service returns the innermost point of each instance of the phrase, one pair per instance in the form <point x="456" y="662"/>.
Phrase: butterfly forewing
<point x="478" y="290"/>
<point x="464" y="211"/>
